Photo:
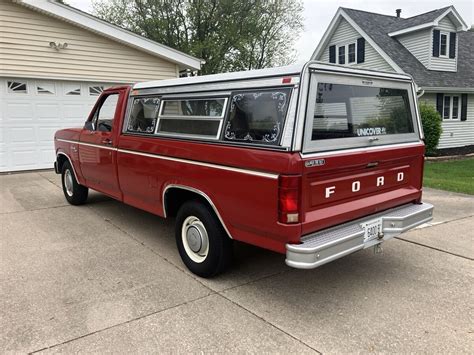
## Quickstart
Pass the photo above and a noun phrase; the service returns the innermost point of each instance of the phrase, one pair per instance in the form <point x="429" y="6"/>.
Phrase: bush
<point x="431" y="121"/>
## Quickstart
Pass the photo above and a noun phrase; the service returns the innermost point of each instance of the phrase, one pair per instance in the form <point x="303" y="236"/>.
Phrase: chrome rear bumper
<point x="330" y="244"/>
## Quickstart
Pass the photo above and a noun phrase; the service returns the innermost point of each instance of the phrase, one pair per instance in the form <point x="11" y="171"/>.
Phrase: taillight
<point x="289" y="198"/>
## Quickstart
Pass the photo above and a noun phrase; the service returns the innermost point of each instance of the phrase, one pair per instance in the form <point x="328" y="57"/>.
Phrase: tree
<point x="431" y="121"/>
<point x="228" y="35"/>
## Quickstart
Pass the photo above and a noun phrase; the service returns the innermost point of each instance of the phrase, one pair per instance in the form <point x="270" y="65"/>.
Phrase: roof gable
<point x="94" y="24"/>
<point x="342" y="14"/>
<point x="426" y="20"/>
<point x="377" y="27"/>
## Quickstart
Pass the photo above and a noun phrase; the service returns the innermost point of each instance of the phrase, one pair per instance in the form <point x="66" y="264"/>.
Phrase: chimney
<point x="398" y="11"/>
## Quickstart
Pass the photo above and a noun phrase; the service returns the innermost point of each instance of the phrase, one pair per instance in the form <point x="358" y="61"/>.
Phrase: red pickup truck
<point x="316" y="161"/>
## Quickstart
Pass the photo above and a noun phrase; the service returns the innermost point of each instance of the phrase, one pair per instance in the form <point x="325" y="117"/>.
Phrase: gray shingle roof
<point x="378" y="26"/>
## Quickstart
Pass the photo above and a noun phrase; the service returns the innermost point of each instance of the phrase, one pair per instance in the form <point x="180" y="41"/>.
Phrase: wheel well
<point x="61" y="159"/>
<point x="175" y="197"/>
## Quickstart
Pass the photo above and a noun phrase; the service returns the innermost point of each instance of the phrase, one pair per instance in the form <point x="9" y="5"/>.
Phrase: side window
<point x="143" y="115"/>
<point x="105" y="114"/>
<point x="201" y="118"/>
<point x="257" y="116"/>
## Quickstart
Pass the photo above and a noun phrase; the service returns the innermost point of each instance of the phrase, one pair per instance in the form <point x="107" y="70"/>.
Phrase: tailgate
<point x="352" y="185"/>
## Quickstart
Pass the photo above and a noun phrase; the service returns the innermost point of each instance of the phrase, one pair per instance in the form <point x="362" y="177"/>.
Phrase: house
<point x="436" y="48"/>
<point x="54" y="62"/>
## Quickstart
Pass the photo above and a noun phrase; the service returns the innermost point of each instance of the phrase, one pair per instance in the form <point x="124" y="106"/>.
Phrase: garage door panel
<point x="18" y="110"/>
<point x="22" y="135"/>
<point x="46" y="134"/>
<point x="76" y="112"/>
<point x="24" y="159"/>
<point x="48" y="111"/>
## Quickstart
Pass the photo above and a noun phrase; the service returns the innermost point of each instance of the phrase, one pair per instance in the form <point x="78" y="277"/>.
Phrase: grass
<point x="450" y="175"/>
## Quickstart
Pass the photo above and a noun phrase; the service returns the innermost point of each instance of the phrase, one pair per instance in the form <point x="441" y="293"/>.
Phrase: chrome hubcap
<point x="195" y="239"/>
<point x="68" y="183"/>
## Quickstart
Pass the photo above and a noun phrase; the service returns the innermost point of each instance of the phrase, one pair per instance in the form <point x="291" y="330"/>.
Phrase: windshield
<point x="346" y="115"/>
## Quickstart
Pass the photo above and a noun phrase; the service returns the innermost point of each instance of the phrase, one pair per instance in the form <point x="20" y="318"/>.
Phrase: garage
<point x="54" y="63"/>
<point x="32" y="110"/>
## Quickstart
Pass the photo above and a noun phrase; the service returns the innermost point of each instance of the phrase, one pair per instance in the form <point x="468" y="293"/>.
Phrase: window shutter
<point x="332" y="54"/>
<point x="360" y="50"/>
<point x="463" y="107"/>
<point x="439" y="104"/>
<point x="435" y="43"/>
<point x="452" y="45"/>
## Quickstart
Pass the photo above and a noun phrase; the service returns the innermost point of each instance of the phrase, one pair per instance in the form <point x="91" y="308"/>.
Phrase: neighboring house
<point x="434" y="47"/>
<point x="54" y="62"/>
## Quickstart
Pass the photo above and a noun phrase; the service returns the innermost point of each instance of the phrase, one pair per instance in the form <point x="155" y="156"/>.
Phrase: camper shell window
<point x="257" y="116"/>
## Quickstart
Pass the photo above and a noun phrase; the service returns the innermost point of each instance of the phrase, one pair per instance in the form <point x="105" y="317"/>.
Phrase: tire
<point x="205" y="257"/>
<point x="75" y="194"/>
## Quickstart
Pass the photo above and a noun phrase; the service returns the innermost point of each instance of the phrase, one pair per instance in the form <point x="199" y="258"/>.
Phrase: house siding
<point x="345" y="34"/>
<point x="441" y="63"/>
<point x="419" y="44"/>
<point x="455" y="133"/>
<point x="25" y="52"/>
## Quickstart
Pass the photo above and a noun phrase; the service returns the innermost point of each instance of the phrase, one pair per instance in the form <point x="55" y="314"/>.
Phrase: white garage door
<point x="32" y="110"/>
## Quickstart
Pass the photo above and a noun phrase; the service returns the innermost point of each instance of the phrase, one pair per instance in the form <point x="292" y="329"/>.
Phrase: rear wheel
<point x="202" y="242"/>
<point x="75" y="193"/>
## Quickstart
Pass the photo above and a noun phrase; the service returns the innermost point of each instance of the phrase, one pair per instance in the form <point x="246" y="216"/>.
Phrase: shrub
<point x="431" y="121"/>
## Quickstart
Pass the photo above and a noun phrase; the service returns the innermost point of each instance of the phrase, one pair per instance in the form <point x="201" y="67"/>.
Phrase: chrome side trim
<point x="199" y="192"/>
<point x="179" y="160"/>
<point x="70" y="162"/>
<point x="207" y="165"/>
<point x="87" y="144"/>
<point x="359" y="150"/>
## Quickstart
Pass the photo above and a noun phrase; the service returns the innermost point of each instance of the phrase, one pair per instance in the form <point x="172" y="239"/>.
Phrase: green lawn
<point x="451" y="175"/>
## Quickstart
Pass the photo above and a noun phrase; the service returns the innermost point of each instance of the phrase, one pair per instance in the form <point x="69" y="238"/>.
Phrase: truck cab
<point x="314" y="161"/>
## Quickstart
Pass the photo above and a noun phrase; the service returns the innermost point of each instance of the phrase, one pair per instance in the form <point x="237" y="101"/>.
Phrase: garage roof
<point x="106" y="29"/>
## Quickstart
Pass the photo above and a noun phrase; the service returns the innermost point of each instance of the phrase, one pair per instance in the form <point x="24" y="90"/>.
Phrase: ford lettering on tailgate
<point x="357" y="185"/>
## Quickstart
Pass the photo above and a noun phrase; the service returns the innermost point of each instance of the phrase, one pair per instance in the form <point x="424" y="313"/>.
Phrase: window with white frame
<point x="451" y="107"/>
<point x="17" y="87"/>
<point x="443" y="44"/>
<point x="45" y="88"/>
<point x="202" y="118"/>
<point x="72" y="89"/>
<point x="351" y="53"/>
<point x="342" y="54"/>
<point x="347" y="53"/>
<point x="95" y="90"/>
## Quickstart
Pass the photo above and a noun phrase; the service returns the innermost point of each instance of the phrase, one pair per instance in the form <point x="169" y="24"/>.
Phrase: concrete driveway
<point x="105" y="277"/>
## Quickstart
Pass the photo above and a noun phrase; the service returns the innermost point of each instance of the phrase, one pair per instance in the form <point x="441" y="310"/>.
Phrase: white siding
<point x="25" y="52"/>
<point x="455" y="133"/>
<point x="345" y="34"/>
<point x="419" y="44"/>
<point x="440" y="63"/>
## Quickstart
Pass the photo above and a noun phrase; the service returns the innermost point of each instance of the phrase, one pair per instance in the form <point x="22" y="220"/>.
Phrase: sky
<point x="319" y="13"/>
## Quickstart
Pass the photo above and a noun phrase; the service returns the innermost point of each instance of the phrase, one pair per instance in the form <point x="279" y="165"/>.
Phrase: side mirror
<point x="89" y="125"/>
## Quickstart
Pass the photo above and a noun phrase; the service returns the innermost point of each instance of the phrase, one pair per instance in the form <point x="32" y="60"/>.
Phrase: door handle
<point x="107" y="141"/>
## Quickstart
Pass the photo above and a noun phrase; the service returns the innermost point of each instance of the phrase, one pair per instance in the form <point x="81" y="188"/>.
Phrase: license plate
<point x="372" y="229"/>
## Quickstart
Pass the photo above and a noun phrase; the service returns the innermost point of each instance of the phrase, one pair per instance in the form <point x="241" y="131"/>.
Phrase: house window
<point x="17" y="87"/>
<point x="443" y="44"/>
<point x="45" y="88"/>
<point x="450" y="107"/>
<point x="455" y="111"/>
<point x="351" y="53"/>
<point x="342" y="55"/>
<point x="95" y="90"/>
<point x="72" y="90"/>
